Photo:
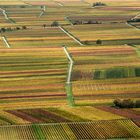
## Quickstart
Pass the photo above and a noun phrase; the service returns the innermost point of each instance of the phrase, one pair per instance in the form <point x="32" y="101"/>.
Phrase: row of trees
<point x="84" y="21"/>
<point x="54" y="23"/>
<point x="2" y="30"/>
<point x="127" y="103"/>
<point x="98" y="4"/>
<point x="98" y="42"/>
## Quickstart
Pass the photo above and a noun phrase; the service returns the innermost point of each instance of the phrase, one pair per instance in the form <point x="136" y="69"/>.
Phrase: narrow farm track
<point x="132" y="26"/>
<point x="68" y="83"/>
<point x="71" y="36"/>
<point x="6" y="42"/>
<point x="4" y="13"/>
<point x="135" y="48"/>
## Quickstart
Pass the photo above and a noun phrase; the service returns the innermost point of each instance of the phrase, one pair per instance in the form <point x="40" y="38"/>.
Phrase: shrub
<point x="117" y="102"/>
<point x="24" y="27"/>
<point x="3" y="29"/>
<point x="137" y="72"/>
<point x="99" y="42"/>
<point x="76" y="75"/>
<point x="55" y="23"/>
<point x="18" y="28"/>
<point x="44" y="25"/>
<point x="137" y="103"/>
<point x="86" y="42"/>
<point x="127" y="103"/>
<point x="115" y="73"/>
<point x="98" y="4"/>
<point x="22" y="6"/>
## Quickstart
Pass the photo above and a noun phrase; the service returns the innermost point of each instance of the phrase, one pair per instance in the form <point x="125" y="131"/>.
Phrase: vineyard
<point x="27" y="78"/>
<point x="63" y="66"/>
<point x="91" y="65"/>
<point x="72" y="131"/>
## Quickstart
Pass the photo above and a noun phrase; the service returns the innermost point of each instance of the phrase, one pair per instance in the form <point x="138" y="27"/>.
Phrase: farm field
<point x="104" y="32"/>
<point x="119" y="128"/>
<point x="26" y="77"/>
<point x="69" y="69"/>
<point x="38" y="37"/>
<point x="90" y="61"/>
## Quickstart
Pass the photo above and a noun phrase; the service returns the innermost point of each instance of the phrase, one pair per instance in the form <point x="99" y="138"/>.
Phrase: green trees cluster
<point x="116" y="72"/>
<point x="2" y="30"/>
<point x="98" y="4"/>
<point x="127" y="103"/>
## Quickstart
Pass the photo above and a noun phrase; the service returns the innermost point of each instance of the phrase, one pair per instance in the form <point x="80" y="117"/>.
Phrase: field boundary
<point x="135" y="16"/>
<point x="5" y="15"/>
<point x="6" y="42"/>
<point x="70" y="35"/>
<point x="59" y="3"/>
<point x="67" y="19"/>
<point x="135" y="48"/>
<point x="42" y="11"/>
<point x="131" y="25"/>
<point x="68" y="83"/>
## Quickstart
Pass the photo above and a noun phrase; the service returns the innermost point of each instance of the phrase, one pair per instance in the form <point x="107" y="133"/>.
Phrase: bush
<point x="55" y="23"/>
<point x="137" y="103"/>
<point x="127" y="103"/>
<point x="86" y="42"/>
<point x="44" y="25"/>
<point x="137" y="72"/>
<point x="17" y="28"/>
<point x="98" y="4"/>
<point x="3" y="29"/>
<point x="99" y="42"/>
<point x="115" y="73"/>
<point x="76" y="75"/>
<point x="24" y="27"/>
<point x="117" y="102"/>
<point x="22" y="6"/>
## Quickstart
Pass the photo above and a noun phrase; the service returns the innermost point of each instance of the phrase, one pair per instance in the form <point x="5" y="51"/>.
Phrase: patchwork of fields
<point x="63" y="63"/>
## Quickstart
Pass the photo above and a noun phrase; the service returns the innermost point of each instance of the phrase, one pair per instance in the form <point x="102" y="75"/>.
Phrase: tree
<point x="24" y="27"/>
<point x="127" y="103"/>
<point x="44" y="25"/>
<point x="98" y="4"/>
<point x="137" y="103"/>
<point x="117" y="102"/>
<point x="18" y="28"/>
<point x="55" y="23"/>
<point x="9" y="29"/>
<point x="99" y="42"/>
<point x="3" y="29"/>
<point x="86" y="42"/>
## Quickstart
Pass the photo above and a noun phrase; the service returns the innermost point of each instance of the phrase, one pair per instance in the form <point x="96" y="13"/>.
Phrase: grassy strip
<point x="38" y="132"/>
<point x="69" y="94"/>
<point x="68" y="86"/>
<point x="116" y="42"/>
